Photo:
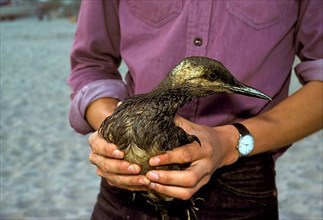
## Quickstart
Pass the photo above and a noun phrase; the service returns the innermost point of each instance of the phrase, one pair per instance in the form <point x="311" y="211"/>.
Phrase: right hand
<point x="111" y="165"/>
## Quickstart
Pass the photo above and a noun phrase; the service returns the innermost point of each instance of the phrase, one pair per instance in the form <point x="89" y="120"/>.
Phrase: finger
<point x="176" y="191"/>
<point x="115" y="166"/>
<point x="128" y="182"/>
<point x="185" y="124"/>
<point x="183" y="178"/>
<point x="178" y="120"/>
<point x="180" y="155"/>
<point x="102" y="147"/>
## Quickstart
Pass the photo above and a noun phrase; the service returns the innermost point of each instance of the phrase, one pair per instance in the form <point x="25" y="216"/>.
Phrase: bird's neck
<point x="172" y="98"/>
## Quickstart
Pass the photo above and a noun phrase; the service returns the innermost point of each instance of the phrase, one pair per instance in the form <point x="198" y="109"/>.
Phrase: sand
<point x="45" y="173"/>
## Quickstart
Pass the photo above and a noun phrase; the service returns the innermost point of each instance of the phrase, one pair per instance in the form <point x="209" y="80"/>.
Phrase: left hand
<point x="217" y="149"/>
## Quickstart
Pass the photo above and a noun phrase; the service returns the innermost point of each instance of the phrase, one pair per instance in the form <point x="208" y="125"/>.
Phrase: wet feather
<point x="143" y="125"/>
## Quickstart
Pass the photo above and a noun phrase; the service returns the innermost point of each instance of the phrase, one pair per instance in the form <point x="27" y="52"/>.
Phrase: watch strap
<point x="241" y="128"/>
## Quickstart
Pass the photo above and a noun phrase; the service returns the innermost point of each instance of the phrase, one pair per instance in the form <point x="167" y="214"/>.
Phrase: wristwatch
<point x="246" y="141"/>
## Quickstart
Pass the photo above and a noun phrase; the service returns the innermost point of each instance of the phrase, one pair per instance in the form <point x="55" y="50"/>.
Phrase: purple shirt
<point x="256" y="40"/>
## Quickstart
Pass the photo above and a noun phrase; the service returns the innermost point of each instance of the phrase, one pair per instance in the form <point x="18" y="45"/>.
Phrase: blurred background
<point x="42" y="9"/>
<point x="44" y="170"/>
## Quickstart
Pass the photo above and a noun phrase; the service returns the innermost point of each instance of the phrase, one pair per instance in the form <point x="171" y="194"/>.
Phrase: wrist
<point x="229" y="139"/>
<point x="98" y="110"/>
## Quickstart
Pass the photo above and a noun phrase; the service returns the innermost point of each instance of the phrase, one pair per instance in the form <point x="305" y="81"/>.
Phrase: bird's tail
<point x="164" y="214"/>
<point x="190" y="207"/>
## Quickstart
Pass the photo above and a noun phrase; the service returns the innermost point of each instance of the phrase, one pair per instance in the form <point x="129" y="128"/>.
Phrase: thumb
<point x="185" y="124"/>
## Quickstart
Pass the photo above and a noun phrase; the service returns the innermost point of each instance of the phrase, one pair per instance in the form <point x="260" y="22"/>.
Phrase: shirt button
<point x="198" y="41"/>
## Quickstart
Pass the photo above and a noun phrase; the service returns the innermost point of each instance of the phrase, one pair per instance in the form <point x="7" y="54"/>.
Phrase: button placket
<point x="199" y="18"/>
<point x="198" y="27"/>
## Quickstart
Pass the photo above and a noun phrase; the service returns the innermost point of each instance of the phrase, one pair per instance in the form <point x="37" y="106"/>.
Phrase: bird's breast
<point x="143" y="131"/>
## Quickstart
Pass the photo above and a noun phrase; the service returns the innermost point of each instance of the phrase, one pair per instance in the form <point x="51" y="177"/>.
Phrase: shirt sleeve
<point x="88" y="93"/>
<point x="95" y="58"/>
<point x="309" y="42"/>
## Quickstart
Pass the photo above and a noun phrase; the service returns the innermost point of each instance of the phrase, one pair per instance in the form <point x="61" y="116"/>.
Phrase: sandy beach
<point x="45" y="173"/>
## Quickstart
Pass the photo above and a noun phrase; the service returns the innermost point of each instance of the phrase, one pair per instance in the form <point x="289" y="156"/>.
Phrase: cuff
<point x="309" y="71"/>
<point x="89" y="93"/>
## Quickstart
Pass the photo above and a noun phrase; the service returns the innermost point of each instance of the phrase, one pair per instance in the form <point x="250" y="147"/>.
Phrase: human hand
<point x="112" y="167"/>
<point x="217" y="149"/>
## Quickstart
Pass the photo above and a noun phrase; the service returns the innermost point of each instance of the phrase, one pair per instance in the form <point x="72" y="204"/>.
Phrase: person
<point x="256" y="40"/>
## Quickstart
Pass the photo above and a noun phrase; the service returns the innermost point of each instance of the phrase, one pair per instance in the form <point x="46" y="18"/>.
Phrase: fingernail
<point x="153" y="176"/>
<point x="117" y="154"/>
<point x="132" y="168"/>
<point x="152" y="185"/>
<point x="155" y="161"/>
<point x="144" y="181"/>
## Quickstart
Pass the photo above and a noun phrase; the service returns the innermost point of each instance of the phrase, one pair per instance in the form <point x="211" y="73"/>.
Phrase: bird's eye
<point x="212" y="75"/>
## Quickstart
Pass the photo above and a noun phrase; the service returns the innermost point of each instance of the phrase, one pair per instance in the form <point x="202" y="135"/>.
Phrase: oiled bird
<point x="143" y="125"/>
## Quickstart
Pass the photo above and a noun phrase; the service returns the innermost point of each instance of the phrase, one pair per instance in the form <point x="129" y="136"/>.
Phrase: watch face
<point x="246" y="145"/>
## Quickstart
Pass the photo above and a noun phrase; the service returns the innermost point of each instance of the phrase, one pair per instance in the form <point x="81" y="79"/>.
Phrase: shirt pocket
<point x="154" y="12"/>
<point x="258" y="14"/>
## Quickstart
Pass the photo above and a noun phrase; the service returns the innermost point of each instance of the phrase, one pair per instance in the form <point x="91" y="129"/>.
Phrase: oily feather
<point x="143" y="125"/>
<point x="136" y="128"/>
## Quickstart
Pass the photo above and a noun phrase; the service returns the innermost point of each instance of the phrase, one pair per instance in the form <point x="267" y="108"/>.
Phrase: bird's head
<point x="204" y="76"/>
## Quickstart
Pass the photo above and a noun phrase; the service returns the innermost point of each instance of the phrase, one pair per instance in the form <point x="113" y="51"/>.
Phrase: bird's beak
<point x="242" y="89"/>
